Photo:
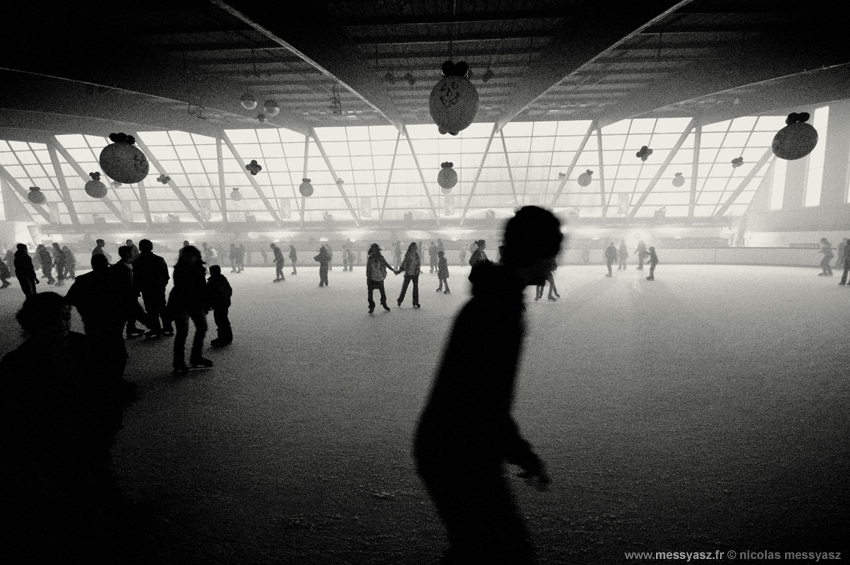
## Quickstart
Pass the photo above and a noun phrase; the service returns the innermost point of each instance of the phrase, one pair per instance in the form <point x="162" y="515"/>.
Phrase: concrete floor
<point x="707" y="410"/>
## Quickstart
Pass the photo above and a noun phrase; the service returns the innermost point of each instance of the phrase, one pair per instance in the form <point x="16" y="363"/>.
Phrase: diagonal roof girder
<point x="82" y="173"/>
<point x="316" y="39"/>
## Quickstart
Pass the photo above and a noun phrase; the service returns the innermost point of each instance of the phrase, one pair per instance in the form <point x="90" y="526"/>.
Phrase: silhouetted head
<point x="532" y="235"/>
<point x="125" y="252"/>
<point x="145" y="245"/>
<point x="215" y="270"/>
<point x="56" y="247"/>
<point x="652" y="250"/>
<point x="21" y="247"/>
<point x="185" y="243"/>
<point x="189" y="255"/>
<point x="272" y="245"/>
<point x="411" y="248"/>
<point x="46" y="315"/>
<point x="99" y="262"/>
<point x="129" y="242"/>
<point x="100" y="242"/>
<point x="374" y="248"/>
<point x="441" y="253"/>
<point x="481" y="243"/>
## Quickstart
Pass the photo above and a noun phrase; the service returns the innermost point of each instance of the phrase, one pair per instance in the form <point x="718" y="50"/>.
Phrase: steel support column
<point x="573" y="162"/>
<point x="171" y="183"/>
<point x="83" y="175"/>
<point x="143" y="200"/>
<point x="510" y="172"/>
<point x="20" y="190"/>
<point x="692" y="203"/>
<point x="63" y="184"/>
<point x="253" y="180"/>
<point x="661" y="169"/>
<point x="478" y="174"/>
<point x="390" y="177"/>
<point x="768" y="153"/>
<point x="601" y="172"/>
<point x="219" y="154"/>
<point x="422" y="176"/>
<point x="335" y="177"/>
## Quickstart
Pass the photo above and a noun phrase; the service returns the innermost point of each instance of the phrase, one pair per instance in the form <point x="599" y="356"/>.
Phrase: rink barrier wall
<point x="768" y="256"/>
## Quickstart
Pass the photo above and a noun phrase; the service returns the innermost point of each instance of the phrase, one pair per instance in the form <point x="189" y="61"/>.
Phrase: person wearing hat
<point x="466" y="432"/>
<point x="376" y="272"/>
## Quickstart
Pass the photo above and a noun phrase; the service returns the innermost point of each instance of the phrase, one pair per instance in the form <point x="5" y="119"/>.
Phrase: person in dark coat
<point x="188" y="300"/>
<point x="641" y="253"/>
<point x="24" y="271"/>
<point x="466" y="432"/>
<point x="293" y="258"/>
<point x="410" y="266"/>
<point x="101" y="305"/>
<point x="324" y="260"/>
<point x="58" y="421"/>
<point x="278" y="263"/>
<point x="610" y="257"/>
<point x="46" y="260"/>
<point x="59" y="263"/>
<point x="99" y="250"/>
<point x="124" y="281"/>
<point x="219" y="293"/>
<point x="443" y="272"/>
<point x="150" y="277"/>
<point x="5" y="275"/>
<point x="845" y="263"/>
<point x="376" y="272"/>
<point x="134" y="251"/>
<point x="653" y="261"/>
<point x="70" y="263"/>
<point x="432" y="258"/>
<point x="478" y="255"/>
<point x="9" y="259"/>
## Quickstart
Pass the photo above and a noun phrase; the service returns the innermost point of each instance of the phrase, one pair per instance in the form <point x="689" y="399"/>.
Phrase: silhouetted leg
<point x="404" y="289"/>
<point x="181" y="320"/>
<point x="415" y="280"/>
<point x="844" y="275"/>
<point x="222" y="323"/>
<point x="383" y="295"/>
<point x="370" y="289"/>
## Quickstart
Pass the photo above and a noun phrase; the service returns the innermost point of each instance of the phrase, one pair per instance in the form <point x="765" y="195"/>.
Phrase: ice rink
<point x="706" y="410"/>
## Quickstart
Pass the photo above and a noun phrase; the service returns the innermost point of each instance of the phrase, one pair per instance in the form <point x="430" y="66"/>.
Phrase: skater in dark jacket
<point x="466" y="432"/>
<point x="376" y="272"/>
<point x="278" y="263"/>
<point x="610" y="257"/>
<point x="5" y="275"/>
<point x="443" y="272"/>
<point x="218" y="298"/>
<point x="410" y="266"/>
<point x="24" y="271"/>
<point x="324" y="260"/>
<point x="59" y="263"/>
<point x="46" y="263"/>
<point x="845" y="263"/>
<point x="150" y="277"/>
<point x="653" y="261"/>
<point x="188" y="300"/>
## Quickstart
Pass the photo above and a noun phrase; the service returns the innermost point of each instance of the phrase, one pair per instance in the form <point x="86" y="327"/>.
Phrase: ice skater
<point x="188" y="301"/>
<point x="219" y="293"/>
<point x="70" y="263"/>
<point x="466" y="432"/>
<point x="845" y="263"/>
<point x="24" y="270"/>
<point x="653" y="261"/>
<point x="610" y="257"/>
<point x="410" y="266"/>
<point x="46" y="263"/>
<point x="278" y="263"/>
<point x="826" y="249"/>
<point x="479" y="255"/>
<point x="622" y="256"/>
<point x="443" y="272"/>
<point x="293" y="258"/>
<point x="324" y="260"/>
<point x="376" y="272"/>
<point x="5" y="275"/>
<point x="550" y="278"/>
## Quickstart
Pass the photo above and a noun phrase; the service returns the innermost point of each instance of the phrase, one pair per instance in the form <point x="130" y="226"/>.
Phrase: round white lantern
<point x="585" y="178"/>
<point x="248" y="101"/>
<point x="678" y="180"/>
<point x="123" y="162"/>
<point x="236" y="196"/>
<point x="271" y="107"/>
<point x="453" y="103"/>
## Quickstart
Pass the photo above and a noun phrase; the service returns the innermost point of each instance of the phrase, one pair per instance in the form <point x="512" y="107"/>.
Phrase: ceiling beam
<point x="478" y="173"/>
<point x="83" y="175"/>
<point x="4" y="173"/>
<point x="572" y="166"/>
<point x="581" y="39"/>
<point x="759" y="59"/>
<point x="63" y="184"/>
<point x="306" y="31"/>
<point x="422" y="175"/>
<point x="390" y="177"/>
<point x="493" y="17"/>
<point x="768" y="153"/>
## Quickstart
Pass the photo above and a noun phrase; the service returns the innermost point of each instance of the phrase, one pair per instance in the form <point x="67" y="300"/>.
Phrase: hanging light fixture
<point x="411" y="80"/>
<point x="248" y="101"/>
<point x="271" y="107"/>
<point x="488" y="74"/>
<point x="389" y="77"/>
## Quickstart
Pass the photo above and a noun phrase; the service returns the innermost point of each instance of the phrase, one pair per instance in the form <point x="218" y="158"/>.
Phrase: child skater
<point x="443" y="272"/>
<point x="653" y="261"/>
<point x="324" y="260"/>
<point x="218" y="297"/>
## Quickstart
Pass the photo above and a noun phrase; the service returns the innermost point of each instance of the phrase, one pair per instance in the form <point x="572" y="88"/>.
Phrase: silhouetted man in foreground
<point x="150" y="276"/>
<point x="466" y="431"/>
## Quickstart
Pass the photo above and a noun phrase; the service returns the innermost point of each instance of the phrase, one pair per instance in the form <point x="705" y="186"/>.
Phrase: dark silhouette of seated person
<point x="58" y="420"/>
<point x="466" y="431"/>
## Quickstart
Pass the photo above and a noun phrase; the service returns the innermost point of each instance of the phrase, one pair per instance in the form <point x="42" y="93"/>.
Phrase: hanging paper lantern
<point x="123" y="162"/>
<point x="248" y="101"/>
<point x="678" y="180"/>
<point x="447" y="177"/>
<point x="236" y="196"/>
<point x="306" y="189"/>
<point x="340" y="182"/>
<point x="262" y="118"/>
<point x="271" y="107"/>
<point x="644" y="153"/>
<point x="585" y="178"/>
<point x="454" y="100"/>
<point x="164" y="179"/>
<point x="36" y="196"/>
<point x="737" y="162"/>
<point x="253" y="167"/>
<point x="795" y="140"/>
<point x="115" y="184"/>
<point x="95" y="188"/>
